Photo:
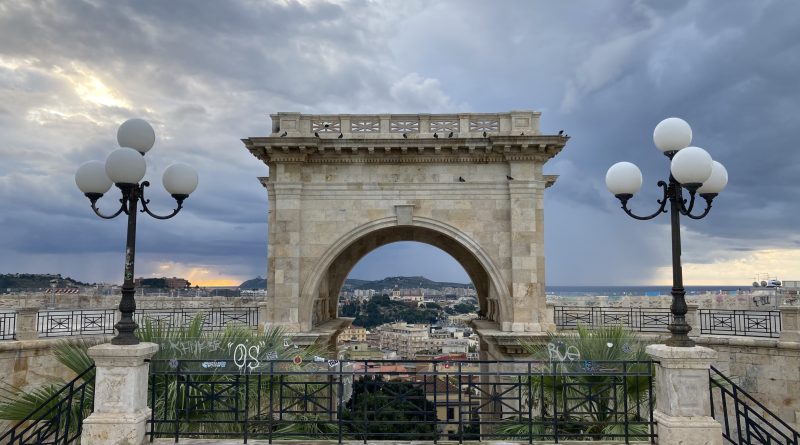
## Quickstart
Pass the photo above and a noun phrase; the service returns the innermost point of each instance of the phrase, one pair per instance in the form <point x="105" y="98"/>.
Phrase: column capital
<point x="113" y="356"/>
<point x="696" y="357"/>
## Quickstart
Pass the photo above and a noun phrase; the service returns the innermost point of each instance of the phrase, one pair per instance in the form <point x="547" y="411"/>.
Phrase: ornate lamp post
<point x="125" y="167"/>
<point x="691" y="169"/>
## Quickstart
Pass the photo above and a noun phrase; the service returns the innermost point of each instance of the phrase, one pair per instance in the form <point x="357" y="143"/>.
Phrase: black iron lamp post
<point x="125" y="167"/>
<point x="692" y="170"/>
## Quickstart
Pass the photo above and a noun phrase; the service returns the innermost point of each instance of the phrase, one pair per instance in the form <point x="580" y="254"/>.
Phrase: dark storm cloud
<point x="207" y="75"/>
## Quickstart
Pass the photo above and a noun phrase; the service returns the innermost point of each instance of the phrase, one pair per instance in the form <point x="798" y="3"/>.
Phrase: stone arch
<point x="319" y="296"/>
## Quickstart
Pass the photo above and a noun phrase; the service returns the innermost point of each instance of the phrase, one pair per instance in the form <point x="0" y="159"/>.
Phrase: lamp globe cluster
<point x="125" y="166"/>
<point x="692" y="167"/>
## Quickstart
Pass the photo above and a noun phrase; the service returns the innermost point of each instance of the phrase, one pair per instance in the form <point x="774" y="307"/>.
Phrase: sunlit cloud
<point x="738" y="271"/>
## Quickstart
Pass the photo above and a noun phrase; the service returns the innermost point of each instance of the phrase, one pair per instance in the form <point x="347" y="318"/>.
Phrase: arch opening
<point x="321" y="295"/>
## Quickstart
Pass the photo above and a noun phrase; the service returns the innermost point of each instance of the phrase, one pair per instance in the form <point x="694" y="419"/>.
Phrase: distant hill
<point x="255" y="283"/>
<point x="36" y="281"/>
<point x="400" y="283"/>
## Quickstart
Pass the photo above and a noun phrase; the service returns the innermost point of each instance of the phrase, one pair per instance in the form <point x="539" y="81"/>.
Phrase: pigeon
<point x="284" y="133"/>
<point x="316" y="135"/>
<point x="405" y="135"/>
<point x="522" y="134"/>
<point x="509" y="178"/>
<point x="436" y="135"/>
<point x="561" y="132"/>
<point x="341" y="135"/>
<point x="460" y="179"/>
<point x="450" y="135"/>
<point x="484" y="134"/>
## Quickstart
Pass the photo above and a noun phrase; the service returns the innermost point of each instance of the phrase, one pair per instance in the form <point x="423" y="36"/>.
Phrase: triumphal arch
<point x="340" y="186"/>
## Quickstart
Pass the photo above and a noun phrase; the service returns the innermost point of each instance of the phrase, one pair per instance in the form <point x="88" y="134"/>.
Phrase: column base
<point x="687" y="430"/>
<point x="115" y="428"/>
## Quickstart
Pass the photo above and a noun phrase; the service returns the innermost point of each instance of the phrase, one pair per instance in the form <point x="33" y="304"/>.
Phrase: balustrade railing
<point x="636" y="319"/>
<point x="59" y="420"/>
<point x="401" y="400"/>
<point x="8" y="327"/>
<point x="744" y="420"/>
<point x="712" y="321"/>
<point x="746" y="323"/>
<point x="61" y="323"/>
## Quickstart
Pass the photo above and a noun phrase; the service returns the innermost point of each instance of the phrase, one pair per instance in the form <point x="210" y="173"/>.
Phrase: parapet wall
<point x="86" y="301"/>
<point x="743" y="301"/>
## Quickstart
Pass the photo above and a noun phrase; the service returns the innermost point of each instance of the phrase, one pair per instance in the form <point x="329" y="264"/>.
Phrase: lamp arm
<point x="708" y="197"/>
<point x="122" y="208"/>
<point x="684" y="209"/>
<point x="178" y="198"/>
<point x="661" y="209"/>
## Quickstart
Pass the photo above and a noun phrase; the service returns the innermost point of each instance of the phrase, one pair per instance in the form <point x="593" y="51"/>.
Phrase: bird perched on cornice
<point x="561" y="132"/>
<point x="284" y="133"/>
<point x="450" y="135"/>
<point x="341" y="135"/>
<point x="484" y="134"/>
<point x="405" y="135"/>
<point x="509" y="178"/>
<point x="316" y="135"/>
<point x="460" y="179"/>
<point x="436" y="135"/>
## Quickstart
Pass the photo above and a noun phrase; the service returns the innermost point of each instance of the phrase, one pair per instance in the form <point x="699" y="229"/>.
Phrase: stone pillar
<point x="683" y="407"/>
<point x="790" y="323"/>
<point x="693" y="318"/>
<point x="120" y="395"/>
<point x="262" y="316"/>
<point x="27" y="318"/>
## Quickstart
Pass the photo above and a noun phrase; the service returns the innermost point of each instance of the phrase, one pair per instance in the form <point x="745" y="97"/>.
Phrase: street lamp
<point x="692" y="169"/>
<point x="125" y="167"/>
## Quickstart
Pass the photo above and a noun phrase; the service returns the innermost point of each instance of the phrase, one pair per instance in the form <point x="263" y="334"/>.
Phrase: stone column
<point x="120" y="395"/>
<point x="27" y="318"/>
<point x="790" y="323"/>
<point x="693" y="318"/>
<point x="683" y="407"/>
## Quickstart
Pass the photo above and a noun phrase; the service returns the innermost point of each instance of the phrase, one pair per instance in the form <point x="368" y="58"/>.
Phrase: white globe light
<point x="717" y="181"/>
<point x="180" y="179"/>
<point x="692" y="165"/>
<point x="624" y="178"/>
<point x="91" y="178"/>
<point x="672" y="134"/>
<point x="136" y="134"/>
<point x="125" y="166"/>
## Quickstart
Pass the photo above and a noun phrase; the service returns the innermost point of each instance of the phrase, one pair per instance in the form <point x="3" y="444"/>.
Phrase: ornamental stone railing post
<point x="790" y="323"/>
<point x="120" y="395"/>
<point x="27" y="318"/>
<point x="693" y="319"/>
<point x="683" y="406"/>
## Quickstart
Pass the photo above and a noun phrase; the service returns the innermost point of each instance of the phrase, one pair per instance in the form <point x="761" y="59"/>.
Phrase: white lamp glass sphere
<point x="717" y="181"/>
<point x="624" y="178"/>
<point x="125" y="165"/>
<point x="180" y="179"/>
<point x="692" y="165"/>
<point x="136" y="134"/>
<point x="91" y="178"/>
<point x="672" y="134"/>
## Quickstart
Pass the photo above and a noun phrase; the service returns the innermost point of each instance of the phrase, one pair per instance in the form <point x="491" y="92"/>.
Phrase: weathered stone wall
<point x="29" y="363"/>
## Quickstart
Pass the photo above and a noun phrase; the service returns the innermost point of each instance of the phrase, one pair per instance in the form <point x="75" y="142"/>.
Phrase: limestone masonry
<point x="340" y="186"/>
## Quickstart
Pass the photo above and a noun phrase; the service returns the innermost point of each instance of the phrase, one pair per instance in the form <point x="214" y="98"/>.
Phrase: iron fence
<point x="213" y="318"/>
<point x="59" y="420"/>
<point x="402" y="400"/>
<point x="636" y="319"/>
<point x="8" y="330"/>
<point x="745" y="323"/>
<point x="61" y="323"/>
<point x="744" y="420"/>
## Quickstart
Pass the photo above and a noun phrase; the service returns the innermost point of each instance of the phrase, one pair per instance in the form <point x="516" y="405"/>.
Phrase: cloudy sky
<point x="208" y="74"/>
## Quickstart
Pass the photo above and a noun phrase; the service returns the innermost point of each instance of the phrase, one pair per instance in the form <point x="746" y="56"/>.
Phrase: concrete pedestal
<point x="790" y="323"/>
<point x="27" y="320"/>
<point x="683" y="407"/>
<point x="120" y="395"/>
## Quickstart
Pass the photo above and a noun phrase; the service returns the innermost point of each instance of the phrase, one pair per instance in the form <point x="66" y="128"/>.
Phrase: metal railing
<point x="735" y="322"/>
<point x="744" y="420"/>
<point x="636" y="319"/>
<point x="401" y="400"/>
<point x="61" y="323"/>
<point x="58" y="421"/>
<point x="8" y="329"/>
